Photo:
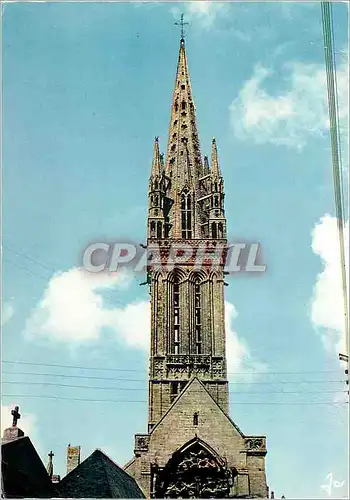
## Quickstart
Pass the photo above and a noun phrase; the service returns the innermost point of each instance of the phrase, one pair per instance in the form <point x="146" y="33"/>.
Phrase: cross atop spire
<point x="16" y="416"/>
<point x="49" y="467"/>
<point x="182" y="23"/>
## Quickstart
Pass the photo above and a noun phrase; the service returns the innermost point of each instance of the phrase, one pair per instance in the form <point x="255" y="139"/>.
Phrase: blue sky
<point x="86" y="87"/>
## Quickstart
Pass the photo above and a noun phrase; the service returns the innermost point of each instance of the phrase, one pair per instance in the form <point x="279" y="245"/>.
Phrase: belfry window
<point x="176" y="306"/>
<point x="186" y="216"/>
<point x="197" y="317"/>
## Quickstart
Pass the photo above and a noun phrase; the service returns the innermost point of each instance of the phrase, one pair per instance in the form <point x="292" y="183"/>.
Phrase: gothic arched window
<point x="176" y="304"/>
<point x="159" y="229"/>
<point x="213" y="230"/>
<point x="153" y="229"/>
<point x="186" y="216"/>
<point x="197" y="316"/>
<point x="195" y="418"/>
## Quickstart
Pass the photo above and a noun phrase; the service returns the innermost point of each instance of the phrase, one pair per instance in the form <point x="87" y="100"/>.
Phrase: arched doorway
<point x="194" y="471"/>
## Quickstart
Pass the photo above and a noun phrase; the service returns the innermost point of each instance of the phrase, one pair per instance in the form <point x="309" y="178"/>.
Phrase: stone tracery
<point x="193" y="473"/>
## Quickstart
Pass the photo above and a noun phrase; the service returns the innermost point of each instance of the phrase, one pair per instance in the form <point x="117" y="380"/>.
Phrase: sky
<point x="86" y="88"/>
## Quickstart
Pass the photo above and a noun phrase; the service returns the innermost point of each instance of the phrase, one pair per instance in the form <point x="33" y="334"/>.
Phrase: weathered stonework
<point x="192" y="449"/>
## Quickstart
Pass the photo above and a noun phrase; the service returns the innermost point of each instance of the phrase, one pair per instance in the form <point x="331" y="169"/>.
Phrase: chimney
<point x="73" y="457"/>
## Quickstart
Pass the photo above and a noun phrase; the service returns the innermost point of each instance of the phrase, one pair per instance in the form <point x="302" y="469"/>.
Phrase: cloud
<point x="6" y="313"/>
<point x="239" y="359"/>
<point x="327" y="306"/>
<point x="73" y="311"/>
<point x="204" y="12"/>
<point x="288" y="117"/>
<point x="132" y="324"/>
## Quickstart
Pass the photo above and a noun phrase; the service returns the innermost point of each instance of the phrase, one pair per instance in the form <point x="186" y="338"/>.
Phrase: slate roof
<point x="99" y="477"/>
<point x="23" y="473"/>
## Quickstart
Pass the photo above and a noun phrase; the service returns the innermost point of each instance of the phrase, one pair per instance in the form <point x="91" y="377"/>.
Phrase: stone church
<point x="192" y="448"/>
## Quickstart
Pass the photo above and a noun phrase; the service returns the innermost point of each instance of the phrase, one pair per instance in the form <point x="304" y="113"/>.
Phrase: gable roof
<point x="178" y="398"/>
<point x="23" y="473"/>
<point x="99" y="477"/>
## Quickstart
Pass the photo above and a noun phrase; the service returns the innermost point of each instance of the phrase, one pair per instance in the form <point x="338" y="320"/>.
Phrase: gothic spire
<point x="157" y="161"/>
<point x="215" y="169"/>
<point x="206" y="169"/>
<point x="49" y="467"/>
<point x="183" y="135"/>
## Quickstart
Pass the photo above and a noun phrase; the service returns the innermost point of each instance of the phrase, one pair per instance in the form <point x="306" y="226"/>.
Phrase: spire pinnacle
<point x="157" y="160"/>
<point x="206" y="169"/>
<point x="49" y="467"/>
<point x="215" y="169"/>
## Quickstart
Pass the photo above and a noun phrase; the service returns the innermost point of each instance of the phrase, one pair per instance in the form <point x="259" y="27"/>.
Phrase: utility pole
<point x="336" y="162"/>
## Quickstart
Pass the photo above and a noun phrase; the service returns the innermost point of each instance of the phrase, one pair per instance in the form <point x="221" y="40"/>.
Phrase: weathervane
<point x="182" y="23"/>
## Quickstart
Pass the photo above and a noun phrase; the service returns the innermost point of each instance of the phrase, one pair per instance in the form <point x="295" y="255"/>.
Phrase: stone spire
<point x="206" y="169"/>
<point x="183" y="128"/>
<point x="49" y="467"/>
<point x="215" y="169"/>
<point x="13" y="432"/>
<point x="183" y="161"/>
<point x="157" y="160"/>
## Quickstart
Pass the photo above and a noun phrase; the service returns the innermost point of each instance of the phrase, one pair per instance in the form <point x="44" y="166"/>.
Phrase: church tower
<point x="192" y="448"/>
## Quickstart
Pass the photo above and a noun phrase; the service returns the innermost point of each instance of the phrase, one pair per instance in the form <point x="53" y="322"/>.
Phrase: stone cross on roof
<point x="16" y="416"/>
<point x="13" y="432"/>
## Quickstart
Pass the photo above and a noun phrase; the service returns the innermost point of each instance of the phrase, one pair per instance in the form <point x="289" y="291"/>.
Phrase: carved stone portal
<point x="193" y="472"/>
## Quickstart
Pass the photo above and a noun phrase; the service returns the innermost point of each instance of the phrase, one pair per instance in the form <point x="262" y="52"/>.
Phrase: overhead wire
<point x="51" y="384"/>
<point x="302" y="403"/>
<point x="81" y="367"/>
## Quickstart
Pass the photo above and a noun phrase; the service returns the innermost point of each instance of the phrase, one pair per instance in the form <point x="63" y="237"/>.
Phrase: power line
<point x="51" y="384"/>
<point x="139" y="370"/>
<point x="106" y="293"/>
<point x="29" y="258"/>
<point x="91" y="377"/>
<point x="73" y="366"/>
<point x="74" y="376"/>
<point x="302" y="403"/>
